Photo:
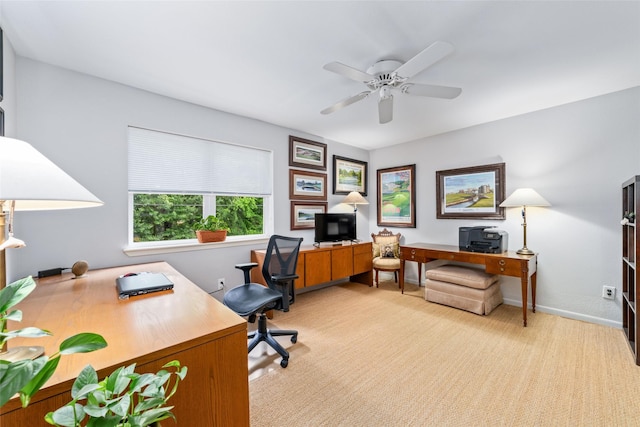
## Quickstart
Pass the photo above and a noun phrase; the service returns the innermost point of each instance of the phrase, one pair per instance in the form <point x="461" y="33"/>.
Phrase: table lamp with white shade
<point x="355" y="198"/>
<point x="524" y="197"/>
<point x="29" y="182"/>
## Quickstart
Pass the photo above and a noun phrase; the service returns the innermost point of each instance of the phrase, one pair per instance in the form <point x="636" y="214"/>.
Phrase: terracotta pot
<point x="205" y="236"/>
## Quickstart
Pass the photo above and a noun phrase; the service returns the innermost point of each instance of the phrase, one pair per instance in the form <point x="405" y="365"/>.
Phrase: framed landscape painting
<point x="305" y="185"/>
<point x="473" y="192"/>
<point x="304" y="153"/>
<point x="349" y="175"/>
<point x="397" y="196"/>
<point x="303" y="214"/>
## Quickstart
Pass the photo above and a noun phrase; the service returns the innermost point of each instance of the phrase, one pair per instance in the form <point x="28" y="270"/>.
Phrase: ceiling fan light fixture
<point x="385" y="92"/>
<point x="385" y="108"/>
<point x="388" y="74"/>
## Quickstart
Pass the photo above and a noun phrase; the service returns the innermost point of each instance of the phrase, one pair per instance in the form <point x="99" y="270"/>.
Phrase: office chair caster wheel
<point x="284" y="363"/>
<point x="294" y="339"/>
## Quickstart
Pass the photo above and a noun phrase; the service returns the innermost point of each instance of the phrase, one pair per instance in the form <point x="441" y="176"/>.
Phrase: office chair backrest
<point x="281" y="257"/>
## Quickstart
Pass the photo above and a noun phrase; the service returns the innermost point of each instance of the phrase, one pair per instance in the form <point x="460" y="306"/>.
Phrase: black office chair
<point x="253" y="299"/>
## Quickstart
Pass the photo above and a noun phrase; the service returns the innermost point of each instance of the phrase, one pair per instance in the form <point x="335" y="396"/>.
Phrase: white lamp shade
<point x="355" y="198"/>
<point x="35" y="183"/>
<point x="524" y="197"/>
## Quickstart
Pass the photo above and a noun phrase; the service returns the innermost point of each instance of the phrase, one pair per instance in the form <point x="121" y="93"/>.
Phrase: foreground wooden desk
<point x="184" y="324"/>
<point x="506" y="264"/>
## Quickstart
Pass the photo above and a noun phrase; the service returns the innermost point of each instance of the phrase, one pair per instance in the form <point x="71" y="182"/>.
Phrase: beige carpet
<point x="374" y="357"/>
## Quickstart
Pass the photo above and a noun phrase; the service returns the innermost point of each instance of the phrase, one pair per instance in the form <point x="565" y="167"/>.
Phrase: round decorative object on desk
<point x="80" y="268"/>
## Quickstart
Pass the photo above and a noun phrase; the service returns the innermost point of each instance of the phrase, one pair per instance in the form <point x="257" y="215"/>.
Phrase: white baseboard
<point x="568" y="314"/>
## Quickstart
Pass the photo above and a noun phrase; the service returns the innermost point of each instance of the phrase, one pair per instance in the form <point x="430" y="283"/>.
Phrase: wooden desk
<point x="184" y="324"/>
<point x="506" y="264"/>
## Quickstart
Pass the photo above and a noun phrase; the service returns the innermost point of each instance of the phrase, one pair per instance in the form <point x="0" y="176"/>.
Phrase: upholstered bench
<point x="464" y="288"/>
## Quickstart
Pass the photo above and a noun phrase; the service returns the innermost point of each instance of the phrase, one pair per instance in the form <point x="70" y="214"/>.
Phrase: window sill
<point x="141" y="249"/>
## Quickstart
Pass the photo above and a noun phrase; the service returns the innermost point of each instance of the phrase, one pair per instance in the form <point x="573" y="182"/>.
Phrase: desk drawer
<point x="416" y="255"/>
<point x="504" y="266"/>
<point x="363" y="248"/>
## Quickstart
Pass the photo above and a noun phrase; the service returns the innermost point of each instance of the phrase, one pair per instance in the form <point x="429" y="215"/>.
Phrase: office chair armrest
<point x="284" y="277"/>
<point x="246" y="267"/>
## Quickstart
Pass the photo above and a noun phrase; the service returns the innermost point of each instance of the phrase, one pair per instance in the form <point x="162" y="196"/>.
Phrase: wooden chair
<point x="386" y="253"/>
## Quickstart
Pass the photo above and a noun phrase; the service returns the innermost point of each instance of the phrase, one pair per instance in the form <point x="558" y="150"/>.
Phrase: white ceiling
<point x="264" y="59"/>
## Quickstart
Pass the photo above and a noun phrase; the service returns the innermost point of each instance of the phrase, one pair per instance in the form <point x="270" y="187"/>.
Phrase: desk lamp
<point x="355" y="198"/>
<point x="524" y="197"/>
<point x="28" y="182"/>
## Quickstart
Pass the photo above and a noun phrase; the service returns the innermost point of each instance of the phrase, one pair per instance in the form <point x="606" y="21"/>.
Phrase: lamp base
<point x="525" y="251"/>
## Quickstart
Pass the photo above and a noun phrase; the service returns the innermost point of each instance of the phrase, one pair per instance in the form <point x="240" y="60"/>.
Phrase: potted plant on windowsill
<point x="211" y="229"/>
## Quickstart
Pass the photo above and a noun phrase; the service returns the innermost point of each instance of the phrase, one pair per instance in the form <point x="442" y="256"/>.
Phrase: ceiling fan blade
<point x="432" y="54"/>
<point x="348" y="72"/>
<point x="446" y="92"/>
<point x="385" y="109"/>
<point x="347" y="101"/>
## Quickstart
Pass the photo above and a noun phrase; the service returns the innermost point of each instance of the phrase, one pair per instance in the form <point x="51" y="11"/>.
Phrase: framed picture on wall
<point x="349" y="175"/>
<point x="1" y="66"/>
<point x="304" y="153"/>
<point x="473" y="192"/>
<point x="397" y="196"/>
<point x="305" y="185"/>
<point x="303" y="214"/>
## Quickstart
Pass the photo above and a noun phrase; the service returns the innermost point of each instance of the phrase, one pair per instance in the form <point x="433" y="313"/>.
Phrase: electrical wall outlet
<point x="609" y="292"/>
<point x="221" y="284"/>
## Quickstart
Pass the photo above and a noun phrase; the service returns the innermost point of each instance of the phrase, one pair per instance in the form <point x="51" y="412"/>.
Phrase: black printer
<point x="488" y="240"/>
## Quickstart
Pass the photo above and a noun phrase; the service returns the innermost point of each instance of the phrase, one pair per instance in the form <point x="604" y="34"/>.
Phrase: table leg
<point x="533" y="291"/>
<point x="401" y="278"/>
<point x="524" y="280"/>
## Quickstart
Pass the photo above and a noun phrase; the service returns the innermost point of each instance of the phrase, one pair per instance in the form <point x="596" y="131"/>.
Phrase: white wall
<point x="576" y="156"/>
<point x="8" y="102"/>
<point x="80" y="123"/>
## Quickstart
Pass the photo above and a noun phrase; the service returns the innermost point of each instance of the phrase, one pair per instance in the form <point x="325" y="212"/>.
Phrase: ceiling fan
<point x="387" y="75"/>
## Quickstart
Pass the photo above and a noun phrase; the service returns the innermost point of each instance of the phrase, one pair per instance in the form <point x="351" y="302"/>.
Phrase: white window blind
<point x="161" y="162"/>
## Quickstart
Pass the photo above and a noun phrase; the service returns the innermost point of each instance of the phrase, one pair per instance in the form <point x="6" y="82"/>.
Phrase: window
<point x="175" y="180"/>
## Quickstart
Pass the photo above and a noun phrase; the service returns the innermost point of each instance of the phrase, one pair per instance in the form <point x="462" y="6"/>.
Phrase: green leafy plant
<point x="26" y="377"/>
<point x="210" y="223"/>
<point x="123" y="399"/>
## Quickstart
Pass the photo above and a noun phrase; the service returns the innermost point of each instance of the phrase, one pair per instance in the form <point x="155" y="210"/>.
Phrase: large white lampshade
<point x="35" y="183"/>
<point x="524" y="197"/>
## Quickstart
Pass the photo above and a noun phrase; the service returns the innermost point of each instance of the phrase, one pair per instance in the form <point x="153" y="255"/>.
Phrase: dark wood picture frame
<point x="397" y="196"/>
<point x="302" y="214"/>
<point x="304" y="153"/>
<point x="1" y="64"/>
<point x="306" y="185"/>
<point x="457" y="190"/>
<point x="349" y="175"/>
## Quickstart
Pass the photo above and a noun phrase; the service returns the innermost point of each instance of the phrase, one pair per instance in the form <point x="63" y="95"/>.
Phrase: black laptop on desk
<point x="133" y="284"/>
